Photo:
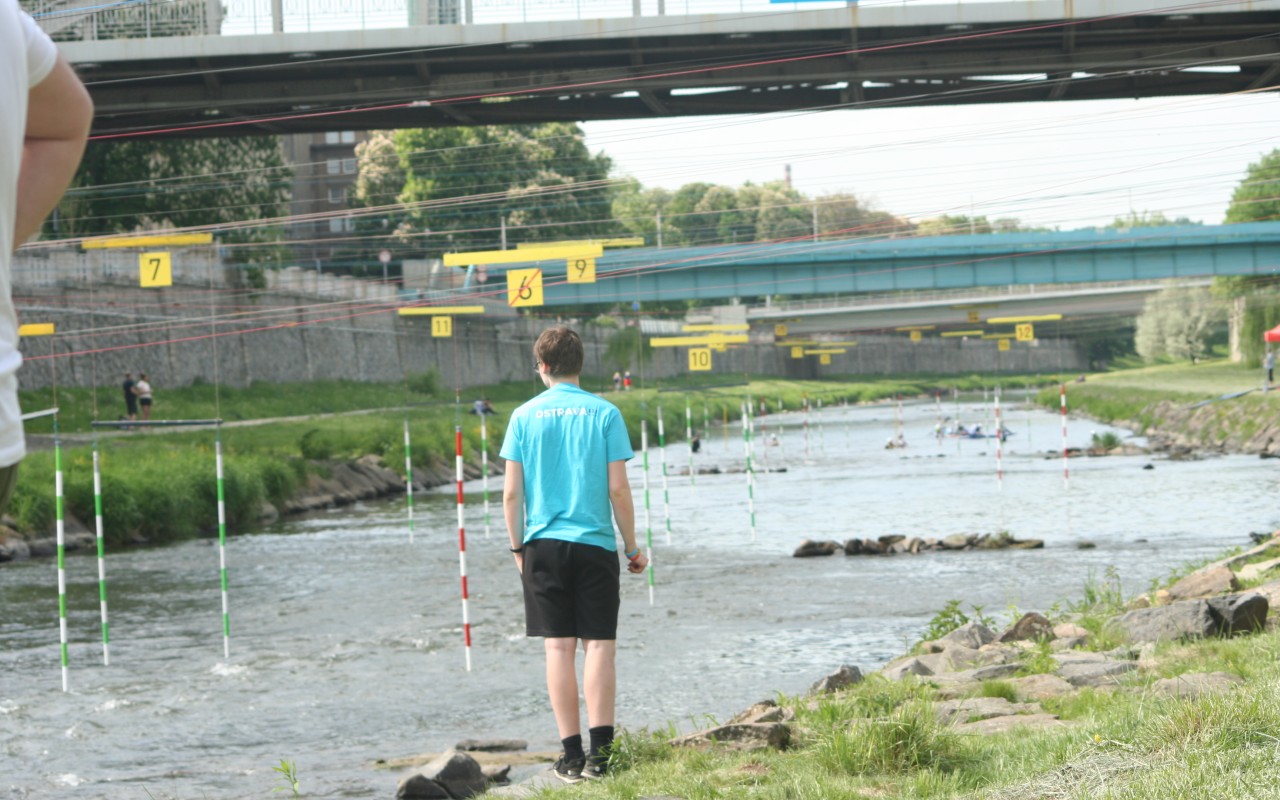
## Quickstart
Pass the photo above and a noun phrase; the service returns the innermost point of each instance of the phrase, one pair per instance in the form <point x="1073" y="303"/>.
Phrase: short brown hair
<point x="560" y="348"/>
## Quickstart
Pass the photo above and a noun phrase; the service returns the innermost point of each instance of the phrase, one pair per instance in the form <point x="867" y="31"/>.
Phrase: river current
<point x="346" y="640"/>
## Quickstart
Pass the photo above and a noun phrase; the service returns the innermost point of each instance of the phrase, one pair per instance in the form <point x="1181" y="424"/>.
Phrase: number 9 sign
<point x="700" y="359"/>
<point x="582" y="270"/>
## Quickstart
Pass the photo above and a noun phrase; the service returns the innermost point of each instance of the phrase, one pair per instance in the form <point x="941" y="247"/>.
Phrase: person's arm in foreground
<point x="59" y="113"/>
<point x="513" y="508"/>
<point x="624" y="512"/>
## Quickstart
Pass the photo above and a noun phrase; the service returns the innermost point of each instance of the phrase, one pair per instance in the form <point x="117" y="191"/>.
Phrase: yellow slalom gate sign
<point x="916" y="336"/>
<point x="524" y="287"/>
<point x="1002" y="345"/>
<point x="36" y="329"/>
<point x="582" y="270"/>
<point x="155" y="269"/>
<point x="1025" y="332"/>
<point x="441" y="316"/>
<point x="442" y="327"/>
<point x="700" y="359"/>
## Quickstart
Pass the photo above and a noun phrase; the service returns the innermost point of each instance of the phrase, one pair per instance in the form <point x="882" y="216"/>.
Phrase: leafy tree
<point x="1177" y="323"/>
<point x="846" y="215"/>
<point x="636" y="209"/>
<point x="1257" y="197"/>
<point x="461" y="179"/>
<point x="149" y="184"/>
<point x="379" y="181"/>
<point x="1150" y="219"/>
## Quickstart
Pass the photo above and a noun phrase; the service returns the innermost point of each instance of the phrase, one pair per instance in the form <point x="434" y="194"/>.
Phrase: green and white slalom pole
<point x="62" y="552"/>
<point x="662" y="455"/>
<point x="222" y="542"/>
<point x="688" y="435"/>
<point x="102" y="565"/>
<point x="484" y="466"/>
<point x="746" y="451"/>
<point x="648" y="516"/>
<point x="408" y="477"/>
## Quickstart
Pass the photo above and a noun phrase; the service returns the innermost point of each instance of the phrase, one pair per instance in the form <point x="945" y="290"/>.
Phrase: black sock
<point x="601" y="741"/>
<point x="573" y="747"/>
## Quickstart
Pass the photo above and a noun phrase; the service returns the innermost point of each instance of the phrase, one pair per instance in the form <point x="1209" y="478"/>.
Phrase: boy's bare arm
<point x="59" y="113"/>
<point x="513" y="507"/>
<point x="624" y="513"/>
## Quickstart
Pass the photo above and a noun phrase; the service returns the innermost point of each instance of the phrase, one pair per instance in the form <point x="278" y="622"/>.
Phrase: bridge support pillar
<point x="277" y="16"/>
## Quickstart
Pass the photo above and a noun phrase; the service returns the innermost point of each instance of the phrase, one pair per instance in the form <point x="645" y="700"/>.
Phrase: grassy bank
<point x="882" y="738"/>
<point x="1132" y="396"/>
<point x="158" y="483"/>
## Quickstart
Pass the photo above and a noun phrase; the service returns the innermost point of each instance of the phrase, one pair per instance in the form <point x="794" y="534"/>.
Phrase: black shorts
<point x="146" y="401"/>
<point x="131" y="405"/>
<point x="570" y="590"/>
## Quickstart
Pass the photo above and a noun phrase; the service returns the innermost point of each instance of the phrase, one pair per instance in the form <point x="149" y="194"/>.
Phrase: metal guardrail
<point x="77" y="20"/>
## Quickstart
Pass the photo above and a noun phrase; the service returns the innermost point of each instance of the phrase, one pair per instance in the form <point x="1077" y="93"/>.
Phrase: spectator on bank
<point x="130" y="399"/>
<point x="143" y="390"/>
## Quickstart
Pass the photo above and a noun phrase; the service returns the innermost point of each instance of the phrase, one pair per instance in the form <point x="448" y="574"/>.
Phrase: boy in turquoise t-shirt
<point x="565" y="485"/>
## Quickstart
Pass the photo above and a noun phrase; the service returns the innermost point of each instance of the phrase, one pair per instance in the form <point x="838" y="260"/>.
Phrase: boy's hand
<point x="636" y="565"/>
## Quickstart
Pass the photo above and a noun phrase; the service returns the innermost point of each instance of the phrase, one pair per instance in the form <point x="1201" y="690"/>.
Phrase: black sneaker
<point x="569" y="770"/>
<point x="595" y="770"/>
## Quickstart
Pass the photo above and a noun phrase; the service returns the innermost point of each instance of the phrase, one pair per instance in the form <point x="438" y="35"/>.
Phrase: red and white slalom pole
<point x="462" y="542"/>
<point x="1066" y="475"/>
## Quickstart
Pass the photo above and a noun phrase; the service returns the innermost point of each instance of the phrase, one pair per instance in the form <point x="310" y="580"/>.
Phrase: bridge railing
<point x="74" y="20"/>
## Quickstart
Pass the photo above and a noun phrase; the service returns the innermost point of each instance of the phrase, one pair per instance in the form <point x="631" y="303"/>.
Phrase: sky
<point x="1061" y="165"/>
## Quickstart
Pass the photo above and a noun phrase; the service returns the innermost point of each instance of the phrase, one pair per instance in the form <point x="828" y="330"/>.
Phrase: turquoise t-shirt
<point x="564" y="439"/>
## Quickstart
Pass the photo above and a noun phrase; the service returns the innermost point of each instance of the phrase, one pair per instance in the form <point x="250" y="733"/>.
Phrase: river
<point x="346" y="640"/>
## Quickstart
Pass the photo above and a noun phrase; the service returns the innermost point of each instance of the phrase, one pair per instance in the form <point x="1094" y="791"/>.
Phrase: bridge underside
<point x="443" y="75"/>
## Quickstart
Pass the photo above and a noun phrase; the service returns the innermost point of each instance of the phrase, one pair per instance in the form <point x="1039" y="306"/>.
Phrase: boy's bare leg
<point x="600" y="680"/>
<point x="562" y="684"/>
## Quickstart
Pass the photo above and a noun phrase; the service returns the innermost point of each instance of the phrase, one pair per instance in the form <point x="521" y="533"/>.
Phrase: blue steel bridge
<point x="923" y="280"/>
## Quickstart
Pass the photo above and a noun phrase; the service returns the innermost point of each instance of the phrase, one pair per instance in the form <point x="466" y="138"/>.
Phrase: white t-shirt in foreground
<point x="27" y="56"/>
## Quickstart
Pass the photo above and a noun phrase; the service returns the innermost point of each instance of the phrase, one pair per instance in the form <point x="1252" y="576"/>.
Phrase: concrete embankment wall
<point x="276" y="337"/>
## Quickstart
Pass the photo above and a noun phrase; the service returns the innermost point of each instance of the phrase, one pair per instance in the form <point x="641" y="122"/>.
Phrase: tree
<point x="1257" y="197"/>
<point x="843" y="214"/>
<point x="1149" y="219"/>
<point x="1177" y="322"/>
<point x="150" y="184"/>
<point x="636" y="209"/>
<point x="470" y="180"/>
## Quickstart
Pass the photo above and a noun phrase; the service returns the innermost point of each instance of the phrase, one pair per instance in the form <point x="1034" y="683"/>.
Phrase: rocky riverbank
<point x="329" y="484"/>
<point x="1037" y="674"/>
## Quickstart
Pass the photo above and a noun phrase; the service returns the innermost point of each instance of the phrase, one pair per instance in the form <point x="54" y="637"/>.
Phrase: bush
<point x="425" y="383"/>
<point x="316" y="445"/>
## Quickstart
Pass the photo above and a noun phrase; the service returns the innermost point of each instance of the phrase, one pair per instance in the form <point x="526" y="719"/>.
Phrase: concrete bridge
<point x="236" y="67"/>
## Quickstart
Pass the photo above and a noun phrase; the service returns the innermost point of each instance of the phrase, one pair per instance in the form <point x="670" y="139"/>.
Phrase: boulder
<point x="1197" y="684"/>
<point x="870" y="547"/>
<point x="852" y="547"/>
<point x="971" y="634"/>
<point x="458" y="774"/>
<point x="1032" y="627"/>
<point x="1253" y="571"/>
<point x="1067" y="630"/>
<point x="809" y="548"/>
<point x="845" y="676"/>
<point x="1068" y="643"/>
<point x="1239" y="613"/>
<point x="1190" y="619"/>
<point x="1040" y="687"/>
<point x="1026" y="544"/>
<point x="496" y="773"/>
<point x="14" y="549"/>
<point x="996" y="725"/>
<point x="491" y="745"/>
<point x="971" y="709"/>
<point x="1205" y="583"/>
<point x="764" y="711"/>
<point x="419" y="787"/>
<point x="957" y="541"/>
<point x="739" y="736"/>
<point x="900" y="668"/>
<point x="891" y="540"/>
<point x="1095" y="673"/>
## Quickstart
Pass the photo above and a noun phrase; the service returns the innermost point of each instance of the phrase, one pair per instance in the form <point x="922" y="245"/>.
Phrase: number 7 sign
<point x="154" y="269"/>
